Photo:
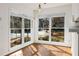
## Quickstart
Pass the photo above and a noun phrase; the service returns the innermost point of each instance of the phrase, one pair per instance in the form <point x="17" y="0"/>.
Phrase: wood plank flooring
<point x="43" y="50"/>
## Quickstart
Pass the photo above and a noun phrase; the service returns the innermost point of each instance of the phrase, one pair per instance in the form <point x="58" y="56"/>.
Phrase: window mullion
<point x="50" y="29"/>
<point x="22" y="30"/>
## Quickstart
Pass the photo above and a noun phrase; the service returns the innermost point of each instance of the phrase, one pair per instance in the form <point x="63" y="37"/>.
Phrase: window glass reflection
<point x="16" y="22"/>
<point x="43" y="31"/>
<point x="16" y="37"/>
<point x="27" y="35"/>
<point x="44" y="23"/>
<point x="57" y="29"/>
<point x="57" y="35"/>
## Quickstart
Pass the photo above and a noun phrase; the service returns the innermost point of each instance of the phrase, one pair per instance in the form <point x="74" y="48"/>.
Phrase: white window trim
<point x="11" y="49"/>
<point x="49" y="42"/>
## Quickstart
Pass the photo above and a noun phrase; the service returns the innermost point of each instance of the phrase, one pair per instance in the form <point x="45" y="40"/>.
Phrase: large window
<point x="51" y="29"/>
<point x="20" y="29"/>
<point x="57" y="29"/>
<point x="27" y="30"/>
<point x="43" y="31"/>
<point x="16" y="31"/>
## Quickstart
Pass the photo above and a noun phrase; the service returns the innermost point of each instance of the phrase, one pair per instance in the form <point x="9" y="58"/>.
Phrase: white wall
<point x="75" y="36"/>
<point x="3" y="29"/>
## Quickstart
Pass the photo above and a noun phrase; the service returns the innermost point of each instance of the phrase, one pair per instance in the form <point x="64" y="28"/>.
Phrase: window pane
<point x="58" y="22"/>
<point x="26" y="23"/>
<point x="16" y="22"/>
<point x="43" y="34"/>
<point x="57" y="35"/>
<point x="16" y="37"/>
<point x="44" y="23"/>
<point x="27" y="35"/>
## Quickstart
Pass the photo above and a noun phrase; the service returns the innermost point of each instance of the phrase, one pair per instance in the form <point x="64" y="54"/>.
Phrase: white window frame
<point x="43" y="28"/>
<point x="51" y="42"/>
<point x="59" y="15"/>
<point x="11" y="49"/>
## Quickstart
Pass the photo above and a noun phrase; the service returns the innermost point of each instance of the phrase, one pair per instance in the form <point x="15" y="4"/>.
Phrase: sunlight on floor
<point x="18" y="53"/>
<point x="43" y="50"/>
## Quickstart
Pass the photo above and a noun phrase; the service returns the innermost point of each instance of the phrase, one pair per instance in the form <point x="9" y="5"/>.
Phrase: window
<point x="16" y="31"/>
<point x="54" y="33"/>
<point x="43" y="31"/>
<point x="27" y="30"/>
<point x="57" y="29"/>
<point x="20" y="29"/>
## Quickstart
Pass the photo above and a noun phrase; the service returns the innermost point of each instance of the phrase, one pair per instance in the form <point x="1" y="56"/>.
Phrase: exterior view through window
<point x="16" y="31"/>
<point x="43" y="31"/>
<point x="57" y="29"/>
<point x="20" y="30"/>
<point x="27" y="30"/>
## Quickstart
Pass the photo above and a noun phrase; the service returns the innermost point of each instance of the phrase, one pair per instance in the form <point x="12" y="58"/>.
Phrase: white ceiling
<point x="48" y="5"/>
<point x="35" y="5"/>
<point x="32" y="6"/>
<point x="27" y="8"/>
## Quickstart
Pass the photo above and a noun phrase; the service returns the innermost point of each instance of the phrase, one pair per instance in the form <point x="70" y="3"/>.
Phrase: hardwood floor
<point x="43" y="50"/>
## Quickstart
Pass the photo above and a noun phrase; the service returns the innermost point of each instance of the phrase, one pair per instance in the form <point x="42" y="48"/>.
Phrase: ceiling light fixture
<point x="37" y="11"/>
